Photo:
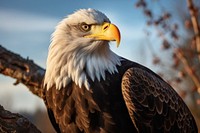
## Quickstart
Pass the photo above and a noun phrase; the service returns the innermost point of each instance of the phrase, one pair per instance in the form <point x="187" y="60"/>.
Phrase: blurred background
<point x="156" y="33"/>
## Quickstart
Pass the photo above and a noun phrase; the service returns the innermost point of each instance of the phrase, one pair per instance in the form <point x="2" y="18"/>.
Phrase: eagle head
<point x="80" y="47"/>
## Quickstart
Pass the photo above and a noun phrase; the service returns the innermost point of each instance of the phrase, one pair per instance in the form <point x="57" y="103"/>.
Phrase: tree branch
<point x="15" y="123"/>
<point x="194" y="18"/>
<point x="25" y="71"/>
<point x="188" y="68"/>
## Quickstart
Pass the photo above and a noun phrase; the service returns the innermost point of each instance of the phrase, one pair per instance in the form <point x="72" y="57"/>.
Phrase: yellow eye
<point x="85" y="27"/>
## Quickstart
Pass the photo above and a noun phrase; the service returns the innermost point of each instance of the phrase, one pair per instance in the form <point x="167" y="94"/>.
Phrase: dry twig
<point x="188" y="68"/>
<point x="194" y="18"/>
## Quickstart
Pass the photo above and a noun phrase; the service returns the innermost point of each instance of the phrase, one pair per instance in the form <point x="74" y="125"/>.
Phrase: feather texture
<point x="133" y="100"/>
<point x="67" y="59"/>
<point x="153" y="105"/>
<point x="90" y="89"/>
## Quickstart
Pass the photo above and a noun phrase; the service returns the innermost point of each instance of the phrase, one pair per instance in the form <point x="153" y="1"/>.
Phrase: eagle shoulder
<point x="153" y="105"/>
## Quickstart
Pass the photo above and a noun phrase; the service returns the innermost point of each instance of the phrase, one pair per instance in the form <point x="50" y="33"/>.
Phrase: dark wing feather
<point x="153" y="105"/>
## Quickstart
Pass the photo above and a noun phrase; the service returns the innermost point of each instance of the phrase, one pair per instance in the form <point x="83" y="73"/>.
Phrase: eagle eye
<point x="85" y="27"/>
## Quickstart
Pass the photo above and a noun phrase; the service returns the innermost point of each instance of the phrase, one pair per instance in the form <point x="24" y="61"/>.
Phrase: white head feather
<point x="71" y="56"/>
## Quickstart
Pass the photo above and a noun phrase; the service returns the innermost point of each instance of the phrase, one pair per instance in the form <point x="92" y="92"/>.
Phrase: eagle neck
<point x="79" y="65"/>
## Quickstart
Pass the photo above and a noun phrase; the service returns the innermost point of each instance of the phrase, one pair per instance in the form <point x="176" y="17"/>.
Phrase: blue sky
<point x="26" y="27"/>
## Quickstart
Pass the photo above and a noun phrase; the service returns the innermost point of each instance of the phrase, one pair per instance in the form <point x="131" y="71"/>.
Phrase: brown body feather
<point x="133" y="100"/>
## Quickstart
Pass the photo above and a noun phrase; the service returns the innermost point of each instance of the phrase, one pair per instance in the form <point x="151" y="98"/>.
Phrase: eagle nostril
<point x="104" y="28"/>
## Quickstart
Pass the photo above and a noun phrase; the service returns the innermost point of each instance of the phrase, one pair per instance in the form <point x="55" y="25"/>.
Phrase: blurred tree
<point x="178" y="59"/>
<point x="182" y="68"/>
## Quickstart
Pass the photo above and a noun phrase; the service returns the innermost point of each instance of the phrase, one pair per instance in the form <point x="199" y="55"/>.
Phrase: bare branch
<point x="188" y="68"/>
<point x="194" y="18"/>
<point x="25" y="71"/>
<point x="15" y="123"/>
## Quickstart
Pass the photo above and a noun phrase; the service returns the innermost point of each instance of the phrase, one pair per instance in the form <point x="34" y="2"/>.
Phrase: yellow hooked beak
<point x="107" y="31"/>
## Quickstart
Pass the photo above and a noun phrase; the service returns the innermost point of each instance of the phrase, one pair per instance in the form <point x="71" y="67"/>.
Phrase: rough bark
<point x="15" y="123"/>
<point x="25" y="71"/>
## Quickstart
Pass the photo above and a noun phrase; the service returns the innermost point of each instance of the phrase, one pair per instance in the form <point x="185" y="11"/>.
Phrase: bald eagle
<point x="89" y="88"/>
